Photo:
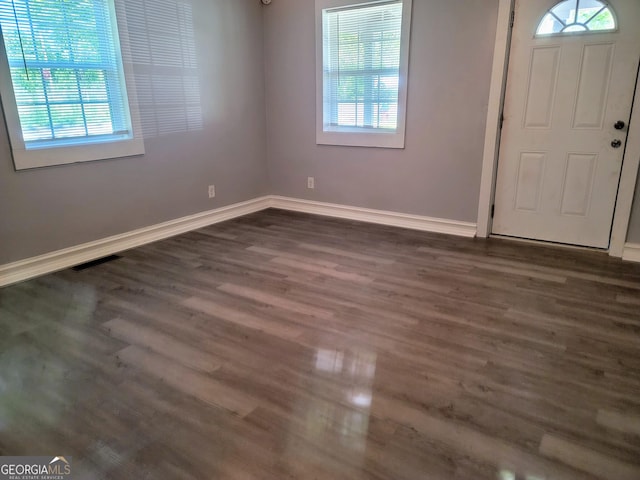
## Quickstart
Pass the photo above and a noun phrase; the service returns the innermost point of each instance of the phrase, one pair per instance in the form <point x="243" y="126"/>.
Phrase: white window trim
<point x="362" y="137"/>
<point x="75" y="151"/>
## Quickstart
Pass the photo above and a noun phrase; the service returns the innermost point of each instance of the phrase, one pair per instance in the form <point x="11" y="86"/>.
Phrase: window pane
<point x="93" y="85"/>
<point x="28" y="88"/>
<point x="388" y="88"/>
<point x="61" y="84"/>
<point x="98" y="119"/>
<point x="349" y="55"/>
<point x="347" y="88"/>
<point x="388" y="115"/>
<point x="347" y="114"/>
<point x="68" y="121"/>
<point x="35" y="122"/>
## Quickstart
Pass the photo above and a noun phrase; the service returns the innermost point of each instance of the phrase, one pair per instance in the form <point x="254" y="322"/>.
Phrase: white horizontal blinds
<point x="66" y="70"/>
<point x="362" y="64"/>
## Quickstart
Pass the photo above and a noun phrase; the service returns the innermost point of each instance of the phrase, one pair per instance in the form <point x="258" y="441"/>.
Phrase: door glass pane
<point x="549" y="25"/>
<point x="602" y="21"/>
<point x="575" y="28"/>
<point x="565" y="11"/>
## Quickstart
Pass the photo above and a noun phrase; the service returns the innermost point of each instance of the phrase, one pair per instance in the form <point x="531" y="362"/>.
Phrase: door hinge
<point x="493" y="210"/>
<point x="513" y="18"/>
<point x="501" y="120"/>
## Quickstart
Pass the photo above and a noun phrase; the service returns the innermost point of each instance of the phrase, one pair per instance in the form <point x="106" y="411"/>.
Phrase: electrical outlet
<point x="311" y="182"/>
<point x="212" y="191"/>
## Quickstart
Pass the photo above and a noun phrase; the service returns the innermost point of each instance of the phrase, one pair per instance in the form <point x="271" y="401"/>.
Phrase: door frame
<point x="497" y="92"/>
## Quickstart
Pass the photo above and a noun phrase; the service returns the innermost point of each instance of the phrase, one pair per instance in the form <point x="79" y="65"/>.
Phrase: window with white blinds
<point x="63" y="75"/>
<point x="362" y="72"/>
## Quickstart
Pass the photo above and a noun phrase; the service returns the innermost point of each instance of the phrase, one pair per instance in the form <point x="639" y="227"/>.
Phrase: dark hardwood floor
<point x="282" y="345"/>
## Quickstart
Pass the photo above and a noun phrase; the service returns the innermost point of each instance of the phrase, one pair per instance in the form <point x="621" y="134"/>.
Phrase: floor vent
<point x="95" y="263"/>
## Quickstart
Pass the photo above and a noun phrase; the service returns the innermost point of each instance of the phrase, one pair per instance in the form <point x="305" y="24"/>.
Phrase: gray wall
<point x="187" y="146"/>
<point x="438" y="173"/>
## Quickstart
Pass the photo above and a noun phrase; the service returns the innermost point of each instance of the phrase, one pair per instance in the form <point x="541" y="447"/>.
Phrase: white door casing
<point x="558" y="173"/>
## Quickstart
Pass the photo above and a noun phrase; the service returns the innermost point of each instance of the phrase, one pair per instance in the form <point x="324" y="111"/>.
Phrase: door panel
<point x="578" y="184"/>
<point x="542" y="87"/>
<point x="593" y="85"/>
<point x="558" y="172"/>
<point x="530" y="178"/>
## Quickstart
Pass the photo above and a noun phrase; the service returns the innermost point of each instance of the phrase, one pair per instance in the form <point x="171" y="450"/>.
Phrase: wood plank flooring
<point x="288" y="346"/>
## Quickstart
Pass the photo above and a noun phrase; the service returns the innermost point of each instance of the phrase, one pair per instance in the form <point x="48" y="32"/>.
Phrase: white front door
<point x="567" y="106"/>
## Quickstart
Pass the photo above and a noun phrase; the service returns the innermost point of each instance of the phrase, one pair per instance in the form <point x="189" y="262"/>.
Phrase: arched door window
<point x="576" y="16"/>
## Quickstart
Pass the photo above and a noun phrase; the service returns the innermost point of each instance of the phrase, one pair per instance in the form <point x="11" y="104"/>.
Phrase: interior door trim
<point x="628" y="179"/>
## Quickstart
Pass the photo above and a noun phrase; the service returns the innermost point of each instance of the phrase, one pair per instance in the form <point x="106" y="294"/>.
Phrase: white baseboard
<point x="51" y="262"/>
<point x="68" y="257"/>
<point x="382" y="217"/>
<point x="631" y="252"/>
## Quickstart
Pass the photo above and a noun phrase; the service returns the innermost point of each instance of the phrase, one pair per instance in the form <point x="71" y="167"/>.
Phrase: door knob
<point x="616" y="143"/>
<point x="619" y="125"/>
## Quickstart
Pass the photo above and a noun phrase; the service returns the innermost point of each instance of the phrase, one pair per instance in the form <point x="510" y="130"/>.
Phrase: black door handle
<point x="616" y="143"/>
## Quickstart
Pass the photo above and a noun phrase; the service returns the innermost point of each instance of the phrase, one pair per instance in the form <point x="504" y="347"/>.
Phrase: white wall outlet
<point x="311" y="182"/>
<point x="212" y="191"/>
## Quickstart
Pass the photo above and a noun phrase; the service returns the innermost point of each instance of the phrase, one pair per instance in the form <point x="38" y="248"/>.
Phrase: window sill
<point x="46" y="157"/>
<point x="360" y="138"/>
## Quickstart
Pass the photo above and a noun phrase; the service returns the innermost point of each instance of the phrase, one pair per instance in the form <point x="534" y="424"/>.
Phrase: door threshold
<point x="546" y="243"/>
